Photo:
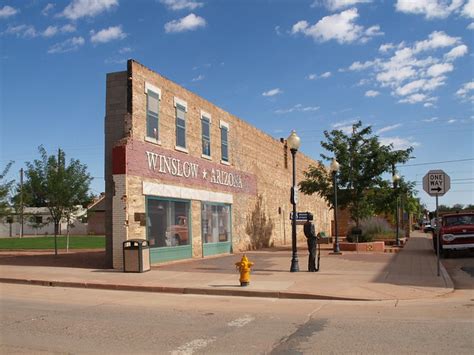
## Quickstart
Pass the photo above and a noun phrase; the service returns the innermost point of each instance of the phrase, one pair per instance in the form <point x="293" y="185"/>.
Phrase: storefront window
<point x="167" y="223"/>
<point x="215" y="222"/>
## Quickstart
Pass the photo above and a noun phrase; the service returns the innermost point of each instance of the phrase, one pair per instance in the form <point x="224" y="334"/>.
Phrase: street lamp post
<point x="395" y="179"/>
<point x="294" y="143"/>
<point x="334" y="167"/>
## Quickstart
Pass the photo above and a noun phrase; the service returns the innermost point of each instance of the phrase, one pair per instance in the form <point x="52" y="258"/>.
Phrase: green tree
<point x="50" y="182"/>
<point x="363" y="162"/>
<point x="5" y="187"/>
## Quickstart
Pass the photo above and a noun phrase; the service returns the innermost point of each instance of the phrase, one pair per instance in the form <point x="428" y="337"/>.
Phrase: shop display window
<point x="215" y="223"/>
<point x="167" y="223"/>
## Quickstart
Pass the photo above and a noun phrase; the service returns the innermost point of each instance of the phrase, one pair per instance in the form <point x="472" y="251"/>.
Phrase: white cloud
<point x="456" y="52"/>
<point x="68" y="45"/>
<point x="188" y="23"/>
<point x="437" y="39"/>
<point x="465" y="90"/>
<point x="357" y="66"/>
<point x="7" y="11"/>
<point x="335" y="5"/>
<point x="440" y="69"/>
<point x="372" y="93"/>
<point x="322" y="76"/>
<point x="181" y="4"/>
<point x="272" y="92"/>
<point x="432" y="119"/>
<point x="298" y="108"/>
<point x="23" y="31"/>
<point x="107" y="34"/>
<point x="47" y="9"/>
<point x="68" y="28"/>
<point x="198" y="78"/>
<point x="452" y="120"/>
<point x="468" y="10"/>
<point x="399" y="143"/>
<point x="344" y="126"/>
<point x="470" y="26"/>
<point x="83" y="8"/>
<point x="125" y="50"/>
<point x="388" y="128"/>
<point x="413" y="71"/>
<point x="340" y="27"/>
<point x="50" y="31"/>
<point x="429" y="8"/>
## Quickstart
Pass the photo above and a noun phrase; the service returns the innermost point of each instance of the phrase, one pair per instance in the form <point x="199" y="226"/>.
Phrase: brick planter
<point x="377" y="247"/>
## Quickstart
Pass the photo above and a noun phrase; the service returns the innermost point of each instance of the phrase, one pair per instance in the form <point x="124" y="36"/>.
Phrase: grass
<point x="75" y="242"/>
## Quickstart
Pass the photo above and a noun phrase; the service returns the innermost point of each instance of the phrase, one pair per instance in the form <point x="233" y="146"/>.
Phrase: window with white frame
<point x="224" y="141"/>
<point x="181" y="108"/>
<point x="153" y="96"/>
<point x="206" y="134"/>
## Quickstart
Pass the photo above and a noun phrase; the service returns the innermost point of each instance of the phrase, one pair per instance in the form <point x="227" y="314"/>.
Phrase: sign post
<point x="436" y="183"/>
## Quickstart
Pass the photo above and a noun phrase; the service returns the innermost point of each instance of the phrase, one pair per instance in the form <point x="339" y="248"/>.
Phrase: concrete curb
<point x="183" y="290"/>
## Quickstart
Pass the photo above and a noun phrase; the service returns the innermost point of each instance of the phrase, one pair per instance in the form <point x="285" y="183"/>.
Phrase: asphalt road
<point x="36" y="319"/>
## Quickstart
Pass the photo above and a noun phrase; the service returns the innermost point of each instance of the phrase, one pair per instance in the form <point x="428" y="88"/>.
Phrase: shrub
<point x="259" y="227"/>
<point x="369" y="229"/>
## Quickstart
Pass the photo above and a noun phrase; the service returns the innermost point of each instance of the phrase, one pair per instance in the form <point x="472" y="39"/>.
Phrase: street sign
<point x="300" y="216"/>
<point x="436" y="183"/>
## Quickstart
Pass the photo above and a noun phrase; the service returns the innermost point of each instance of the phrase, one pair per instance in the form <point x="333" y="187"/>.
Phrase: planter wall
<point x="363" y="247"/>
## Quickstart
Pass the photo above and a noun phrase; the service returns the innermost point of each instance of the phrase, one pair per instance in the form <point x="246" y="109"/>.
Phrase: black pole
<point x="398" y="218"/>
<point x="336" y="245"/>
<point x="437" y="234"/>
<point x="294" y="260"/>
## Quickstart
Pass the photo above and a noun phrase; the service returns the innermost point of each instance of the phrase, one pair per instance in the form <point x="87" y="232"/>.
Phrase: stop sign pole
<point x="436" y="183"/>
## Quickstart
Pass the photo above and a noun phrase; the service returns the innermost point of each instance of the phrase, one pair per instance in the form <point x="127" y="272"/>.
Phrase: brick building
<point x="186" y="175"/>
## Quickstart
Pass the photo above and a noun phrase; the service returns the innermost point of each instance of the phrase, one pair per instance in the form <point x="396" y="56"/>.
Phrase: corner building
<point x="186" y="175"/>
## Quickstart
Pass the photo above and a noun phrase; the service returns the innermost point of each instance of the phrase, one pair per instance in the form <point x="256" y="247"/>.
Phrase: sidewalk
<point x="409" y="274"/>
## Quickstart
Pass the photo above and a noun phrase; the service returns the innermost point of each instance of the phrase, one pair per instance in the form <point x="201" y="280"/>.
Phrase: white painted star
<point x="204" y="174"/>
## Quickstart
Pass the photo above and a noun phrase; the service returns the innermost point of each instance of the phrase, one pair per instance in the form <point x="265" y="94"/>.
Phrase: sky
<point x="404" y="67"/>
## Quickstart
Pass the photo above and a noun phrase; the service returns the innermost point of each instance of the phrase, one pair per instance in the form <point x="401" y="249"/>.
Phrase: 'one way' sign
<point x="436" y="183"/>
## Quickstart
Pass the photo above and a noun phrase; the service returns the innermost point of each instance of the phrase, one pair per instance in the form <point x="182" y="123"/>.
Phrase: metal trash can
<point x="136" y="255"/>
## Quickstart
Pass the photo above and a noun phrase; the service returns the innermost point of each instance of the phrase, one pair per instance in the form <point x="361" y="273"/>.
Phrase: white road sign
<point x="436" y="183"/>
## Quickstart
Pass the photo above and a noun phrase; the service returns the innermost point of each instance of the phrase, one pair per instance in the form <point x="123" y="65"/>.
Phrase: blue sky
<point x="403" y="66"/>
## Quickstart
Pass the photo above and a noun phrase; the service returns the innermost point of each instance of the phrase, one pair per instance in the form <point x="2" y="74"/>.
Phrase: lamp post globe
<point x="395" y="179"/>
<point x="294" y="142"/>
<point x="334" y="168"/>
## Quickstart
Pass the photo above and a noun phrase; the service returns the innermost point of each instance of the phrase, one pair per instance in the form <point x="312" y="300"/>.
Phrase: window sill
<point x="208" y="157"/>
<point x="152" y="140"/>
<point x="181" y="149"/>
<point x="225" y="162"/>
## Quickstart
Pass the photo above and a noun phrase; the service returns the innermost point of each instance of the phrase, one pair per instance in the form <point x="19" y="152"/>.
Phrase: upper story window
<point x="206" y="134"/>
<point x="181" y="109"/>
<point x="153" y="97"/>
<point x="224" y="142"/>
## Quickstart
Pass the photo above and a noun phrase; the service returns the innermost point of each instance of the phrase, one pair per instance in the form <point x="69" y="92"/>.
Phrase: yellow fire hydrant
<point x="244" y="266"/>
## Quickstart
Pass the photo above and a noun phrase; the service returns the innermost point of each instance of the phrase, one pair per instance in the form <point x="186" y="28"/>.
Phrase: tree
<point x="5" y="187"/>
<point x="259" y="227"/>
<point x="363" y="162"/>
<point x="51" y="183"/>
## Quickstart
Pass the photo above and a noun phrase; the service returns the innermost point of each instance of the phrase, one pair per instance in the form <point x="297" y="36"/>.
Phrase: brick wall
<point x="251" y="152"/>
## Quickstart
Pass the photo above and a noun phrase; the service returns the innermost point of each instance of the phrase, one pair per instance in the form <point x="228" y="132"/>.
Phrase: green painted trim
<point x="217" y="248"/>
<point x="171" y="253"/>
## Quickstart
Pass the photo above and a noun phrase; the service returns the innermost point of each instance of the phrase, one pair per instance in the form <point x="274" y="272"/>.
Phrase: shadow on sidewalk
<point x="74" y="259"/>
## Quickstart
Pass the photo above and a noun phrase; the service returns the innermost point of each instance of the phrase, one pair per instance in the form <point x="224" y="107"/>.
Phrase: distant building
<point x="186" y="175"/>
<point x="96" y="217"/>
<point x="38" y="221"/>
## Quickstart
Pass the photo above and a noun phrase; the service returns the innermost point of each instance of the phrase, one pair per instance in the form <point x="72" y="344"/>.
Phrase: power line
<point x="436" y="162"/>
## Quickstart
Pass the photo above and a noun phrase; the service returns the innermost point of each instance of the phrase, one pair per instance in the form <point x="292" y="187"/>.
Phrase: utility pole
<point x="21" y="203"/>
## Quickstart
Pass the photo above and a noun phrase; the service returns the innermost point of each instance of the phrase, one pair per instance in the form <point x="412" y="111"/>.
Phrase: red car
<point x="457" y="232"/>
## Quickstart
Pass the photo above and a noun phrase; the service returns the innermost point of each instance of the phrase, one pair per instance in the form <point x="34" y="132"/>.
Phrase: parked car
<point x="427" y="228"/>
<point x="177" y="234"/>
<point x="456" y="232"/>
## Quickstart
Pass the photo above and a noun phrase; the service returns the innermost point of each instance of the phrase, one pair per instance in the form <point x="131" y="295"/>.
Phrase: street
<point x="39" y="319"/>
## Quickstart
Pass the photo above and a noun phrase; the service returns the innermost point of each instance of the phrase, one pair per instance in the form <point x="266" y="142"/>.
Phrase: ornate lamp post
<point x="334" y="168"/>
<point x="395" y="179"/>
<point x="294" y="143"/>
